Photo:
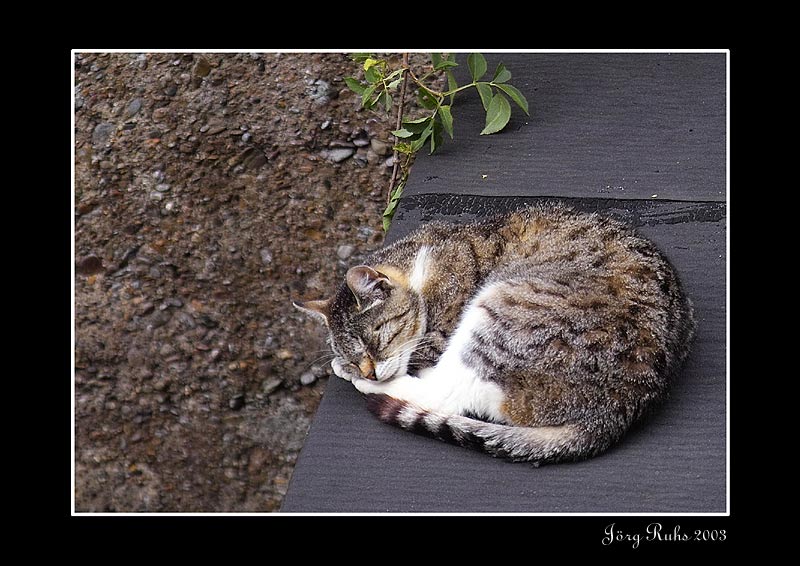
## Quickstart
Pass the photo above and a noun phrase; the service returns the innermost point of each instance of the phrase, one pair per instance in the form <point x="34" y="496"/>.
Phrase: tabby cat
<point x="541" y="335"/>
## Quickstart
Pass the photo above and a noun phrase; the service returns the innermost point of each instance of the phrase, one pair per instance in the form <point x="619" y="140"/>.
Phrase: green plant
<point x="380" y="87"/>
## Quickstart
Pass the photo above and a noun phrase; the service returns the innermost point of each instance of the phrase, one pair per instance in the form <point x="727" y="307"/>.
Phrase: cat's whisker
<point x="408" y="348"/>
<point x="324" y="358"/>
<point x="318" y="351"/>
<point x="418" y="340"/>
<point x="412" y="345"/>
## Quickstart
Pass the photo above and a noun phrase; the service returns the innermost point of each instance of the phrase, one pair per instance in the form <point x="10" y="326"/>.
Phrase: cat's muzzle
<point x="367" y="368"/>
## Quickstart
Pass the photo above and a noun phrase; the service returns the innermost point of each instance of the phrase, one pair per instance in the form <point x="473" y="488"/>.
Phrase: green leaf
<point x="360" y="57"/>
<point x="447" y="119"/>
<point x="373" y="74"/>
<point x="397" y="75"/>
<point x="486" y="94"/>
<point x="388" y="215"/>
<point x="440" y="62"/>
<point x="477" y="65"/>
<point x="374" y="69"/>
<point x="403" y="147"/>
<point x="391" y="208"/>
<point x="426" y="100"/>
<point x="497" y="115"/>
<point x="437" y="138"/>
<point x="417" y="144"/>
<point x="417" y="126"/>
<point x="397" y="193"/>
<point x="516" y="96"/>
<point x="355" y="85"/>
<point x="386" y="98"/>
<point x="452" y="84"/>
<point x="402" y="133"/>
<point x="366" y="95"/>
<point x="393" y="74"/>
<point x="501" y="75"/>
<point x="393" y="85"/>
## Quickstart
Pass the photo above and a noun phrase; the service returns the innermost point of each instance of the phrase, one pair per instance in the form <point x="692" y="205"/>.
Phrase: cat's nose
<point x="367" y="368"/>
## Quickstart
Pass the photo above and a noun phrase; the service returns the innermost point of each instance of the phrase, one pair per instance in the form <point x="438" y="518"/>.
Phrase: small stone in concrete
<point x="345" y="251"/>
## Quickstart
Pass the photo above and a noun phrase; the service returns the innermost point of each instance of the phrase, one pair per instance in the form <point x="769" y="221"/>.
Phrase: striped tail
<point x="538" y="445"/>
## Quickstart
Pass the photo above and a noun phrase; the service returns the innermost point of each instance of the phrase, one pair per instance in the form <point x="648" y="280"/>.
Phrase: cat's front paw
<point x="392" y="386"/>
<point x="367" y="386"/>
<point x="345" y="370"/>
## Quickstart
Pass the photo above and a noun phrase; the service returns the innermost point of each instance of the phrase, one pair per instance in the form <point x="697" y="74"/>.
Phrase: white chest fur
<point x="451" y="387"/>
<point x="468" y="391"/>
<point x="419" y="272"/>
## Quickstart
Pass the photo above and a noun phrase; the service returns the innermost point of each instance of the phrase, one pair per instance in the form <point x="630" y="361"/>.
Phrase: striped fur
<point x="537" y="445"/>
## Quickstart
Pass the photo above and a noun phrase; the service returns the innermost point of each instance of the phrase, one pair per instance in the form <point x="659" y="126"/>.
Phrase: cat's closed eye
<point x="383" y="327"/>
<point x="388" y="331"/>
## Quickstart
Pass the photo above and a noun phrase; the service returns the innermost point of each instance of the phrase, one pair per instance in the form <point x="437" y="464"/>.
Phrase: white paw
<point x="399" y="386"/>
<point x="343" y="369"/>
<point x="367" y="386"/>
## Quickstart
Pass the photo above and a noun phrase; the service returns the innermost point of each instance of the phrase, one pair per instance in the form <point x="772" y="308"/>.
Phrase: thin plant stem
<point x="398" y="125"/>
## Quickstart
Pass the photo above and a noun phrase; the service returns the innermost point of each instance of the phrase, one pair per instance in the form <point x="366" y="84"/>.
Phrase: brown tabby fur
<point x="583" y="325"/>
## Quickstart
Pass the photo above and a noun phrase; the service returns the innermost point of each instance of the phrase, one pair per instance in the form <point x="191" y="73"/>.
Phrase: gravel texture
<point x="210" y="190"/>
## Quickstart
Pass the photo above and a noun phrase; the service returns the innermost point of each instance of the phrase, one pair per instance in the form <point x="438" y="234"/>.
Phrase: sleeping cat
<point x="538" y="336"/>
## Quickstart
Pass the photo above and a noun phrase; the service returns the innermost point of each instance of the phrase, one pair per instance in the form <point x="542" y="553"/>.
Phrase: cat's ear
<point x="368" y="285"/>
<point x="318" y="309"/>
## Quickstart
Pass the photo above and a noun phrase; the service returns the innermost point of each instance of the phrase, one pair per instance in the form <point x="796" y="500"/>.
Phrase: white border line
<point x="728" y="281"/>
<point x="399" y="50"/>
<point x="72" y="286"/>
<point x="280" y="514"/>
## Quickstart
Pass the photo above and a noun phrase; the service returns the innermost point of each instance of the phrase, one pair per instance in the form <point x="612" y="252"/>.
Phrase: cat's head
<point x="374" y="322"/>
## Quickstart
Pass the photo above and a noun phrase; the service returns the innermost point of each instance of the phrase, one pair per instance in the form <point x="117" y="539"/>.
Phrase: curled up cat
<point x="541" y="335"/>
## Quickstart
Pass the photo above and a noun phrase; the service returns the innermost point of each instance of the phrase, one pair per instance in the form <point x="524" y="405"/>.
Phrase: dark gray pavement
<point x="606" y="133"/>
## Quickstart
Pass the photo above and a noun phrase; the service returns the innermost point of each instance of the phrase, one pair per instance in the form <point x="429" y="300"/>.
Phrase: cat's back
<point x="545" y="232"/>
<point x="588" y="261"/>
<point x="593" y="259"/>
<point x="599" y="278"/>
